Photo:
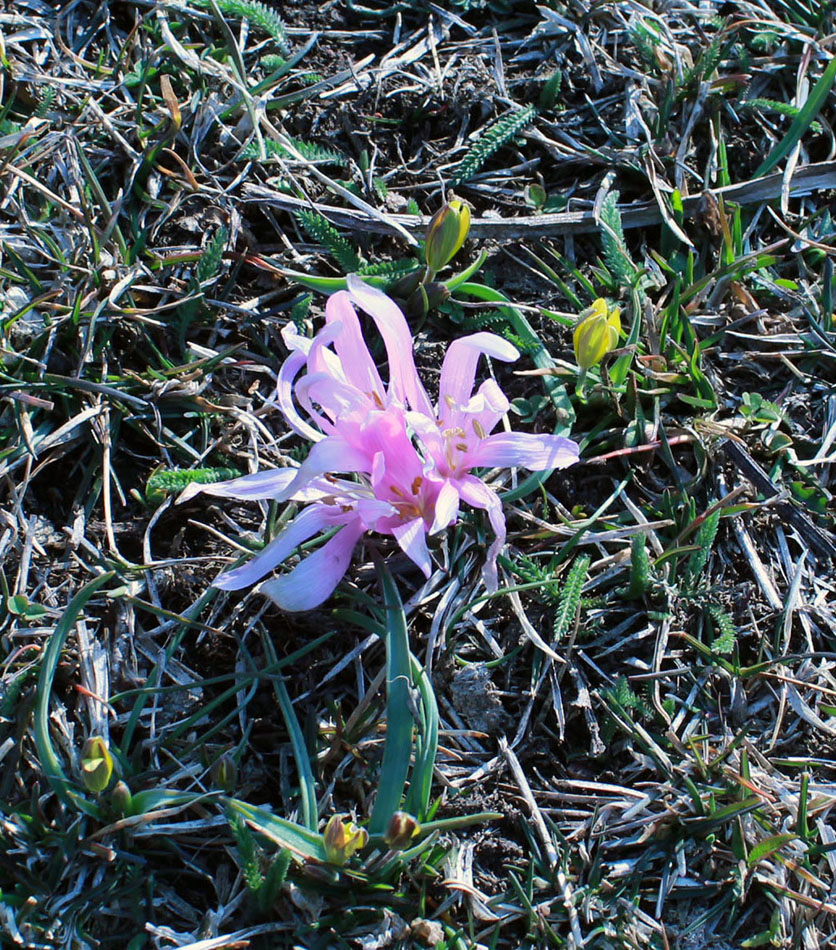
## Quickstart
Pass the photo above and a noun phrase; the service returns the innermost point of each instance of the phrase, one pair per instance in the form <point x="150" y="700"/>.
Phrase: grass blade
<point x="307" y="784"/>
<point x="800" y="124"/>
<point x="53" y="771"/>
<point x="399" y="721"/>
<point x="287" y="834"/>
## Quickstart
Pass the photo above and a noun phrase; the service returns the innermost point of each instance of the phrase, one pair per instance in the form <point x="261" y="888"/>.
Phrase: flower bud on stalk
<point x="342" y="839"/>
<point x="96" y="764"/>
<point x="121" y="798"/>
<point x="402" y="829"/>
<point x="445" y="235"/>
<point x="596" y="334"/>
<point x="225" y="773"/>
<point x="404" y="286"/>
<point x="424" y="298"/>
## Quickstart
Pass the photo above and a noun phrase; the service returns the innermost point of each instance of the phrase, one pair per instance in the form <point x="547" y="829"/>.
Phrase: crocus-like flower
<point x="596" y="334"/>
<point x="411" y="463"/>
<point x="342" y="839"/>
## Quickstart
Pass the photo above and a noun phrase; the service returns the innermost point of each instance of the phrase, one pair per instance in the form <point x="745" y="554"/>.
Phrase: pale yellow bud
<point x="446" y="234"/>
<point x="96" y="764"/>
<point x="596" y="334"/>
<point x="342" y="839"/>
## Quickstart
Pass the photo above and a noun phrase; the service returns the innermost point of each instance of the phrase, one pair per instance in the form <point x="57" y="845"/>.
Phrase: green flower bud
<point x="596" y="334"/>
<point x="404" y="286"/>
<point x="225" y="773"/>
<point x="424" y="298"/>
<point x="121" y="798"/>
<point x="437" y="293"/>
<point x="418" y="304"/>
<point x="445" y="234"/>
<point x="96" y="764"/>
<point x="342" y="839"/>
<point x="402" y="829"/>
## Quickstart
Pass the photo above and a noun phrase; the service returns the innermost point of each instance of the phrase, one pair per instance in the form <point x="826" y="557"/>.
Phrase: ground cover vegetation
<point x="616" y="732"/>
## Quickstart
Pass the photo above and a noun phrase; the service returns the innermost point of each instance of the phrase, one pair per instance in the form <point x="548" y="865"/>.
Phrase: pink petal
<point x="372" y="511"/>
<point x="412" y="537"/>
<point x="483" y="412"/>
<point x="313" y="580"/>
<point x="294" y="340"/>
<point x="305" y="525"/>
<point x="260" y="485"/>
<point x="477" y="494"/>
<point x="330" y="455"/>
<point x="446" y="507"/>
<point x="284" y="394"/>
<point x="403" y="377"/>
<point x="351" y="348"/>
<point x="323" y="360"/>
<point x="458" y="371"/>
<point x="337" y="398"/>
<point x="535" y="452"/>
<point x="429" y="435"/>
<point x="398" y="470"/>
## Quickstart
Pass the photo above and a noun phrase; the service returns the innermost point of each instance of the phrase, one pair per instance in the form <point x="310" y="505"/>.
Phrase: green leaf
<point x="259" y="15"/>
<point x="321" y="230"/>
<point x="490" y="141"/>
<point x="420" y="785"/>
<point x="570" y="597"/>
<point x="148" y="801"/>
<point x="616" y="255"/>
<point x="287" y="834"/>
<point x="726" y="636"/>
<point x="800" y="124"/>
<point x="639" y="569"/>
<point x="161" y="484"/>
<point x="763" y="849"/>
<point x="704" y="540"/>
<point x="397" y="749"/>
<point x="301" y="756"/>
<point x="310" y="151"/>
<point x="53" y="771"/>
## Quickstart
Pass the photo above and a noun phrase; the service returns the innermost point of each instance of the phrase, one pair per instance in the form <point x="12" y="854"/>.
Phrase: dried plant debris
<point x="630" y="743"/>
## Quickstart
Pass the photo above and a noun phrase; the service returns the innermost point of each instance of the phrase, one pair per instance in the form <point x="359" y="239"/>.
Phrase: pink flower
<point x="411" y="465"/>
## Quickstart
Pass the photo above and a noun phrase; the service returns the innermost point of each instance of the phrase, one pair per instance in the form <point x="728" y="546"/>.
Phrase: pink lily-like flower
<point x="391" y="496"/>
<point x="411" y="463"/>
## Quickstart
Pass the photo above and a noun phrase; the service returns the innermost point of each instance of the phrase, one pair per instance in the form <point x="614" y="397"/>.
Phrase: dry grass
<point x="176" y="179"/>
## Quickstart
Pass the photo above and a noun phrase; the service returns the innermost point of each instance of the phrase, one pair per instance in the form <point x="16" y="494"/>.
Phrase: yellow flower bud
<point x="446" y="234"/>
<point x="402" y="829"/>
<point x="96" y="764"/>
<point x="596" y="334"/>
<point x="342" y="839"/>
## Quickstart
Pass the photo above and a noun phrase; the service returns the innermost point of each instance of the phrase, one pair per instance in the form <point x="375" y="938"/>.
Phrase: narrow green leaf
<point x="724" y="814"/>
<point x="800" y="124"/>
<point x="802" y="827"/>
<point x="143" y="803"/>
<point x="307" y="784"/>
<point x="53" y="771"/>
<point x="287" y="834"/>
<point x="397" y="749"/>
<point x="420" y="786"/>
<point x="763" y="849"/>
